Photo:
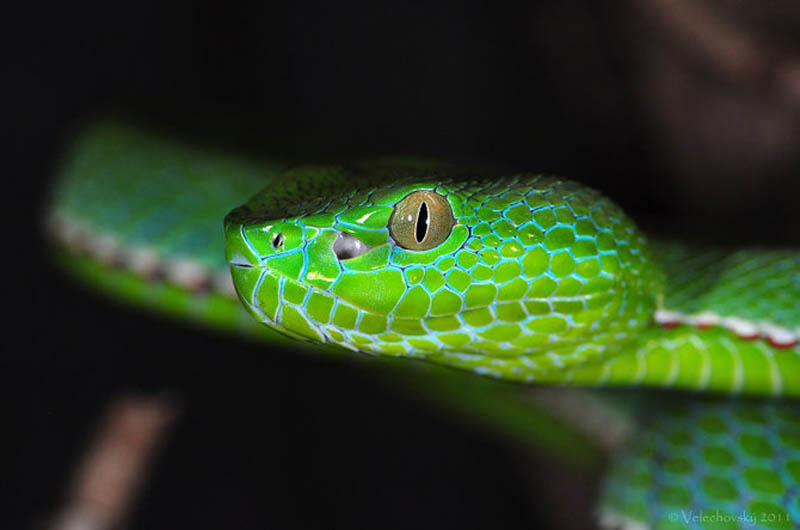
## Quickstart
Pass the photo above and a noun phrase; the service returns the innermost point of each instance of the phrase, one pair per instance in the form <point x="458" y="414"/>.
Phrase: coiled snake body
<point x="521" y="277"/>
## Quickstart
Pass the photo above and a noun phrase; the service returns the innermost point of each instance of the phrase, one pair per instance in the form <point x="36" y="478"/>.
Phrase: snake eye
<point x="422" y="220"/>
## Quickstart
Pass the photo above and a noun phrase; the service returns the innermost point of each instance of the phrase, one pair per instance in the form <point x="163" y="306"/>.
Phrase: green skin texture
<point x="541" y="280"/>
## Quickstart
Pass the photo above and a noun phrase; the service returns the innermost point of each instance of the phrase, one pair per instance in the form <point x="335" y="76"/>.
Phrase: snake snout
<point x="347" y="246"/>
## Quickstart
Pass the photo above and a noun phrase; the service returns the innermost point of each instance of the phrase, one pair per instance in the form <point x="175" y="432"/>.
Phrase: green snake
<point x="516" y="277"/>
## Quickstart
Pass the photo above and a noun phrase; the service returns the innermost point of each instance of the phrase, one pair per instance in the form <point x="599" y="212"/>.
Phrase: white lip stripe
<point x="144" y="261"/>
<point x="141" y="260"/>
<point x="777" y="335"/>
<point x="704" y="319"/>
<point x="741" y="327"/>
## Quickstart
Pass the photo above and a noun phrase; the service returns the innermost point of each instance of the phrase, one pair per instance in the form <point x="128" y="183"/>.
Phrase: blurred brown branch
<point x="729" y="49"/>
<point x="719" y="86"/>
<point x="113" y="468"/>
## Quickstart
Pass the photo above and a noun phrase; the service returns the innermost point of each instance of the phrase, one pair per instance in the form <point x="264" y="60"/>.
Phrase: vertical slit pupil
<point x="422" y="222"/>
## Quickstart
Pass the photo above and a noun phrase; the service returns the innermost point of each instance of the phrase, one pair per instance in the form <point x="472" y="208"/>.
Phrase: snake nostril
<point x="277" y="241"/>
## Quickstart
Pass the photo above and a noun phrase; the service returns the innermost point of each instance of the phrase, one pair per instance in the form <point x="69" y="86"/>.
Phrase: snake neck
<point x="728" y="324"/>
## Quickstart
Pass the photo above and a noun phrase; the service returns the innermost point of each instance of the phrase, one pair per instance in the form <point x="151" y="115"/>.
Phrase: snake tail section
<point x="709" y="464"/>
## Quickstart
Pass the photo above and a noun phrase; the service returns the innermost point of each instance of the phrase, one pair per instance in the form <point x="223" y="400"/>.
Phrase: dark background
<point x="694" y="135"/>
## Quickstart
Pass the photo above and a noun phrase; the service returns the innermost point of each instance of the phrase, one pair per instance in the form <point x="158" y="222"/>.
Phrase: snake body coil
<point x="522" y="277"/>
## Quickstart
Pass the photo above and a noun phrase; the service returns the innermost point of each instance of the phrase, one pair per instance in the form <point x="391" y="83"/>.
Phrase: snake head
<point x="507" y="276"/>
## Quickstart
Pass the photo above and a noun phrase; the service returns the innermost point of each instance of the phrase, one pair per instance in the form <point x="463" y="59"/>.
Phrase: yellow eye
<point x="422" y="220"/>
